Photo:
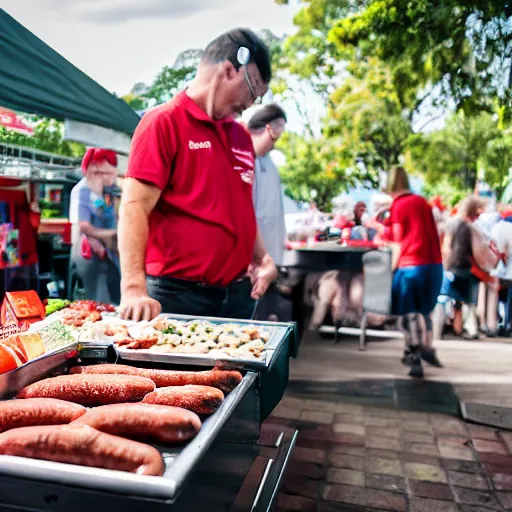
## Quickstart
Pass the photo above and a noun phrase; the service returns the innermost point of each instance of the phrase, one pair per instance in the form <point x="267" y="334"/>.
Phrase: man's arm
<point x="137" y="203"/>
<point x="259" y="248"/>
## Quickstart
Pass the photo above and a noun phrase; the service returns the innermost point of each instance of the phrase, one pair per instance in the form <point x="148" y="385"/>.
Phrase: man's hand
<point x="262" y="274"/>
<point x="137" y="305"/>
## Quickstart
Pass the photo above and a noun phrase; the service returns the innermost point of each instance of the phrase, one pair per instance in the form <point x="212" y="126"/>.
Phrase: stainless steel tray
<point x="179" y="462"/>
<point x="12" y="382"/>
<point x="279" y="331"/>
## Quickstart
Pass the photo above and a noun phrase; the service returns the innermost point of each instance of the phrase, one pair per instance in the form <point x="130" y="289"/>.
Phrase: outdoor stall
<point x="34" y="193"/>
<point x="213" y="456"/>
<point x="36" y="80"/>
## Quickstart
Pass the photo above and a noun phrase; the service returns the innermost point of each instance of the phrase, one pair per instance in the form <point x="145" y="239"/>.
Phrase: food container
<point x="36" y="369"/>
<point x="223" y="468"/>
<point x="281" y="334"/>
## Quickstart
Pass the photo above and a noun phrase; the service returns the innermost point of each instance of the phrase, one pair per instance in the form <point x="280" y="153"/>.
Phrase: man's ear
<point x="229" y="70"/>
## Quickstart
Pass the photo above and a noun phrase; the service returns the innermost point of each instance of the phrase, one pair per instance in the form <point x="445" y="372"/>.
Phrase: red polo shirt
<point x="420" y="239"/>
<point x="203" y="227"/>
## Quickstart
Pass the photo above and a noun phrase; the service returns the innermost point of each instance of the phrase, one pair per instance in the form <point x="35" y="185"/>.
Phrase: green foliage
<point x="305" y="171"/>
<point x="312" y="165"/>
<point x="459" y="49"/>
<point x="450" y="194"/>
<point x="309" y="54"/>
<point x="367" y="118"/>
<point x="169" y="82"/>
<point x="134" y="102"/>
<point x="467" y="148"/>
<point x="377" y="63"/>
<point x="48" y="136"/>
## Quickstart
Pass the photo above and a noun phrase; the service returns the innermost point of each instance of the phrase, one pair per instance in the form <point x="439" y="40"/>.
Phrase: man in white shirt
<point x="266" y="126"/>
<point x="502" y="236"/>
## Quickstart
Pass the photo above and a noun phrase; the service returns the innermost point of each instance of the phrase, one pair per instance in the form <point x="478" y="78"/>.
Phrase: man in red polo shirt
<point x="188" y="239"/>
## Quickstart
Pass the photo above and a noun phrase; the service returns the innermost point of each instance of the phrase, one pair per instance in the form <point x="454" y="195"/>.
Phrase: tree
<point x="48" y="136"/>
<point x="135" y="102"/>
<point x="467" y="148"/>
<point x="313" y="165"/>
<point x="453" y="52"/>
<point x="497" y="160"/>
<point x="456" y="50"/>
<point x="169" y="82"/>
<point x="309" y="54"/>
<point x="307" y="168"/>
<point x="367" y="119"/>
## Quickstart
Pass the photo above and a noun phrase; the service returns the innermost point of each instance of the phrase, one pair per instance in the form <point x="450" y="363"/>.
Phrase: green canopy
<point x="35" y="79"/>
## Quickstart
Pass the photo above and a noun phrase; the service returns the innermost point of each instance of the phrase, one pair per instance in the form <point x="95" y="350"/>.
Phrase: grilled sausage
<point x="37" y="411"/>
<point x="146" y="422"/>
<point x="84" y="446"/>
<point x="226" y="381"/>
<point x="202" y="400"/>
<point x="91" y="389"/>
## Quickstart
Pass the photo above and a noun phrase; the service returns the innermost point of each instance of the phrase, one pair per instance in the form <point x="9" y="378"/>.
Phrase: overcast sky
<point x="121" y="42"/>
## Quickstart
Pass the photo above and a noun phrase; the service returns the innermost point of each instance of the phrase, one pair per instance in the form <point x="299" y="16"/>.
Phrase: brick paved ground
<point x="353" y="457"/>
<point x="362" y="446"/>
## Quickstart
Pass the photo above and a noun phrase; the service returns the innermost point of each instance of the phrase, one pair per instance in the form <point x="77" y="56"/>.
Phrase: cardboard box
<point x="19" y="311"/>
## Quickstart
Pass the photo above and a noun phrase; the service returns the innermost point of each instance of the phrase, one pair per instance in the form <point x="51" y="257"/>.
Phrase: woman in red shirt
<point x="419" y="270"/>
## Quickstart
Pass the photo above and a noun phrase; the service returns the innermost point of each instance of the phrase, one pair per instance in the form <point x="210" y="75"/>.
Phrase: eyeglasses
<point x="256" y="99"/>
<point x="243" y="57"/>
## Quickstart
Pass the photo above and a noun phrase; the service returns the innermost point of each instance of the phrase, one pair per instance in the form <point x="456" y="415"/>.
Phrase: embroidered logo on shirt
<point x="199" y="145"/>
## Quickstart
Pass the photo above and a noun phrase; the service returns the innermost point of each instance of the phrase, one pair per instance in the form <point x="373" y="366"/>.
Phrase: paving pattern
<point x="390" y="443"/>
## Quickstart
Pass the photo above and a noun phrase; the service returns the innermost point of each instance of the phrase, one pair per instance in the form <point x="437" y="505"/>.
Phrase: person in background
<point x="361" y="216"/>
<point x="419" y="271"/>
<point x="188" y="236"/>
<point x="360" y="230"/>
<point x="439" y="211"/>
<point x="266" y="127"/>
<point x="94" y="228"/>
<point x="488" y="292"/>
<point x="501" y="235"/>
<point x="467" y="257"/>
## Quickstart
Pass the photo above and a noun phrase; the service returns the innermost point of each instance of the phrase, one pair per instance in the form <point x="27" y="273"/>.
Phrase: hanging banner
<point x="10" y="121"/>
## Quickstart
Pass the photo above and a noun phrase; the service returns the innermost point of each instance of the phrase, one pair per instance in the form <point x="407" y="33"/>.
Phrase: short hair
<point x="225" y="47"/>
<point x="397" y="180"/>
<point x="266" y="115"/>
<point x="470" y="207"/>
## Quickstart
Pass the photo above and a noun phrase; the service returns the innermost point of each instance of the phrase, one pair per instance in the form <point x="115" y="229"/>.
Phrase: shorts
<point x="416" y="289"/>
<point x="461" y="286"/>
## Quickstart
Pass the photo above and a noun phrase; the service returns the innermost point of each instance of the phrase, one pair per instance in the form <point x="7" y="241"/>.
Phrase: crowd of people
<point x="201" y="220"/>
<point x="451" y="268"/>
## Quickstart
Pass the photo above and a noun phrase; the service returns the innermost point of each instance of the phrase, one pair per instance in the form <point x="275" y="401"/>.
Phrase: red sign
<point x="11" y="121"/>
<point x="20" y="310"/>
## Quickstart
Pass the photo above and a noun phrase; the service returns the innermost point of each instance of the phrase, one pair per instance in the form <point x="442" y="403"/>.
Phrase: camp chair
<point x="378" y="280"/>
